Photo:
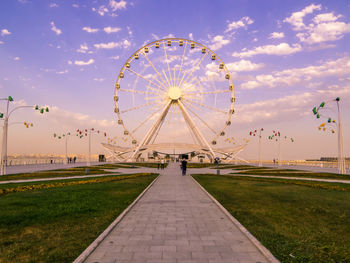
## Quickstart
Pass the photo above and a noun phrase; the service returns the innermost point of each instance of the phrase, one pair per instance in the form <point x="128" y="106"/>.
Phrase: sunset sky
<point x="285" y="58"/>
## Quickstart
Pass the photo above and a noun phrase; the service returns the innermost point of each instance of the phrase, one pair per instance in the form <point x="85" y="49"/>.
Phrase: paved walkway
<point x="175" y="221"/>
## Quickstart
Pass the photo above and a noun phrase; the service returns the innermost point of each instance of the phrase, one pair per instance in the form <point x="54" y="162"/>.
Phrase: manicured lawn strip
<point x="297" y="223"/>
<point x="30" y="186"/>
<point x="242" y="167"/>
<point x="76" y="171"/>
<point x="57" y="224"/>
<point x="200" y="165"/>
<point x="295" y="173"/>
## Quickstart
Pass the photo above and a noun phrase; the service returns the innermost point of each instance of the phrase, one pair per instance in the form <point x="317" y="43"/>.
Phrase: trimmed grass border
<point x="56" y="224"/>
<point x="297" y="222"/>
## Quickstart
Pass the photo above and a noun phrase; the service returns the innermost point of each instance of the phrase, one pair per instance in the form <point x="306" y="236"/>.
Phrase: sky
<point x="284" y="57"/>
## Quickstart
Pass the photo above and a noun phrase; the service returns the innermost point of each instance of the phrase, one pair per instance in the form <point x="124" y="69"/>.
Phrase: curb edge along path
<point x="86" y="253"/>
<point x="245" y="231"/>
<point x="175" y="220"/>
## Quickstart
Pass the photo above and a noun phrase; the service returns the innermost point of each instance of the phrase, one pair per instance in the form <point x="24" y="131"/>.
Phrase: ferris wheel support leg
<point x="193" y="127"/>
<point x="152" y="131"/>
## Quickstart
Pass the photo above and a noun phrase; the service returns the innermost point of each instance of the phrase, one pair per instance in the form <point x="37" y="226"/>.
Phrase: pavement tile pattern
<point x="175" y="221"/>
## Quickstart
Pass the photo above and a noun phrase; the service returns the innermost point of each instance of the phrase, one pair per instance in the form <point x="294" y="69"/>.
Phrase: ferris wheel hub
<point x="174" y="93"/>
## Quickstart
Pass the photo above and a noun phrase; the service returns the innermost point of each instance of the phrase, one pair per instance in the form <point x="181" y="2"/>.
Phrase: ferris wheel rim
<point x="141" y="50"/>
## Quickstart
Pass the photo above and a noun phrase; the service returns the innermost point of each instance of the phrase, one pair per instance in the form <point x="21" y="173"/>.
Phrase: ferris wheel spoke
<point x="198" y="117"/>
<point x="167" y="61"/>
<point x="207" y="92"/>
<point x="142" y="77"/>
<point x="138" y="107"/>
<point x="195" y="68"/>
<point x="205" y="106"/>
<point x="147" y="119"/>
<point x="139" y="91"/>
<point x="182" y="61"/>
<point x="154" y="68"/>
<point x="166" y="78"/>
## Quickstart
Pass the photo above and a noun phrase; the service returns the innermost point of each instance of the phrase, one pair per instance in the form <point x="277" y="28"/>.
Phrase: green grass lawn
<point x="58" y="223"/>
<point x="200" y="165"/>
<point x="290" y="173"/>
<point x="306" y="222"/>
<point x="75" y="171"/>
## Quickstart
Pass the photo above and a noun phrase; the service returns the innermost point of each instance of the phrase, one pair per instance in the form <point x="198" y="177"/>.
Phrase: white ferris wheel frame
<point x="174" y="95"/>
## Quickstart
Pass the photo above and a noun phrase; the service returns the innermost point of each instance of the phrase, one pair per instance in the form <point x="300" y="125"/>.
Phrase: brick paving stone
<point x="175" y="222"/>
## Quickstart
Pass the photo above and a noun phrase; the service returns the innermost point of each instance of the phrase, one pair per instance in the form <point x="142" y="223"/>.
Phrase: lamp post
<point x="87" y="132"/>
<point x="64" y="135"/>
<point x="317" y="111"/>
<point x="5" y="116"/>
<point x="276" y="136"/>
<point x="254" y="133"/>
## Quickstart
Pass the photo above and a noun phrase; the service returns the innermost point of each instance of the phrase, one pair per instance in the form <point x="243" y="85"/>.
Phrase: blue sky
<point x="285" y="57"/>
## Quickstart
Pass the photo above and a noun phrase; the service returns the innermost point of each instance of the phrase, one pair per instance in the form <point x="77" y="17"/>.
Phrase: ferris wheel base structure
<point x="123" y="154"/>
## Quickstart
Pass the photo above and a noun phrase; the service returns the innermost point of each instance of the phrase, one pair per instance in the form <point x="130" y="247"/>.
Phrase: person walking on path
<point x="183" y="166"/>
<point x="162" y="164"/>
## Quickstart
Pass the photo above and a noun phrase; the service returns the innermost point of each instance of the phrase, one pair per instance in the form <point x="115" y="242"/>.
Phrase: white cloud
<point x="243" y="22"/>
<point x="243" y="65"/>
<point x="16" y="58"/>
<point x="339" y="67"/>
<point x="55" y="29"/>
<point x="62" y="72"/>
<point x="99" y="79"/>
<point x="83" y="63"/>
<point x="70" y="62"/>
<point x="101" y="10"/>
<point x="122" y="44"/>
<point x="327" y="17"/>
<point x="53" y="5"/>
<point x="5" y="32"/>
<point x="74" y="119"/>
<point x="90" y="30"/>
<point x="129" y="31"/>
<point x="324" y="27"/>
<point x="110" y="30"/>
<point x="296" y="19"/>
<point x="218" y="42"/>
<point x="169" y="36"/>
<point x="75" y="5"/>
<point x="1" y="42"/>
<point x="325" y="30"/>
<point x="276" y="35"/>
<point x="115" y="57"/>
<point x="114" y="5"/>
<point x="280" y="49"/>
<point x="289" y="107"/>
<point x="83" y="48"/>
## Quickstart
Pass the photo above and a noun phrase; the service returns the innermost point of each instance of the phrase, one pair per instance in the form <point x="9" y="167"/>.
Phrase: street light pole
<point x="341" y="159"/>
<point x="6" y="117"/>
<point x="4" y="140"/>
<point x="89" y="157"/>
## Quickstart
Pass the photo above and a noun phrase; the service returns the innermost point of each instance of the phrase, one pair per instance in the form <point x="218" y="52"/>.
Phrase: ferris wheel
<point x="174" y="90"/>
